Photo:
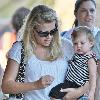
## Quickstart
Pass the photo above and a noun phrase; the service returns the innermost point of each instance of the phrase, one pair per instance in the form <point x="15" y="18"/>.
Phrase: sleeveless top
<point x="78" y="68"/>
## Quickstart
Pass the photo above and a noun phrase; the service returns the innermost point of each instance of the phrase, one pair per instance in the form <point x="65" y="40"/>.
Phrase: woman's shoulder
<point x="15" y="52"/>
<point x="65" y="41"/>
<point x="96" y="30"/>
<point x="67" y="48"/>
<point x="98" y="35"/>
<point x="67" y="34"/>
<point x="16" y="44"/>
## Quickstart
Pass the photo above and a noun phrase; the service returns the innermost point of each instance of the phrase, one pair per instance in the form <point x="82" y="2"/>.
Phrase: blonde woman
<point x="46" y="57"/>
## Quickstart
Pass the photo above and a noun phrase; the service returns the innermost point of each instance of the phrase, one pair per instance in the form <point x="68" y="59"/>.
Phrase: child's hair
<point x="82" y="30"/>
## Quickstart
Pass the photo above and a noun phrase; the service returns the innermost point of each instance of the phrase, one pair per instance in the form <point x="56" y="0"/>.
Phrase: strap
<point x="21" y="73"/>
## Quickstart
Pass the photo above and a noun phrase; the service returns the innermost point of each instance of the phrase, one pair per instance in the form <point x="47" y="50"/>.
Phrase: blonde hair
<point x="82" y="30"/>
<point x="41" y="14"/>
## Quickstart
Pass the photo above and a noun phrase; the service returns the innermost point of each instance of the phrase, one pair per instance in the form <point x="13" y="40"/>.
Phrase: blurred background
<point x="64" y="9"/>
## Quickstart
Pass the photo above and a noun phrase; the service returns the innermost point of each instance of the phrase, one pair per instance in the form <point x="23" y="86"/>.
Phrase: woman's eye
<point x="82" y="42"/>
<point x="83" y="10"/>
<point x="92" y="10"/>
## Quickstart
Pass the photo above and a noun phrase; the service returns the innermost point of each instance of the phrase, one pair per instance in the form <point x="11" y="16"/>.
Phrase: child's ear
<point x="92" y="43"/>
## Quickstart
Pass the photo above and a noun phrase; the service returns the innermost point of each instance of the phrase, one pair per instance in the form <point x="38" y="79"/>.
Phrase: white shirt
<point x="35" y="68"/>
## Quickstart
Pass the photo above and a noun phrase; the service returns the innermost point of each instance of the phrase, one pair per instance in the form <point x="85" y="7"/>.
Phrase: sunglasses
<point x="46" y="33"/>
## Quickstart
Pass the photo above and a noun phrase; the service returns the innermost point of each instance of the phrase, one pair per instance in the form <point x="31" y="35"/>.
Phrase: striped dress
<point x="78" y="69"/>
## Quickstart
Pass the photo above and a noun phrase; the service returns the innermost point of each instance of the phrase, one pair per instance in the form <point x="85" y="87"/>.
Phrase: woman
<point x="97" y="50"/>
<point x="46" y="57"/>
<point x="85" y="15"/>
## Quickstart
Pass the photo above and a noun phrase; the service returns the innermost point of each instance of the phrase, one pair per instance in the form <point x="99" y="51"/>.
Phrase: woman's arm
<point x="9" y="84"/>
<point x="92" y="77"/>
<point x="74" y="93"/>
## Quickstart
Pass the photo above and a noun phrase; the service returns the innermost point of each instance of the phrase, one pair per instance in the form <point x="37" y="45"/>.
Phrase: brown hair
<point x="77" y="6"/>
<point x="18" y="17"/>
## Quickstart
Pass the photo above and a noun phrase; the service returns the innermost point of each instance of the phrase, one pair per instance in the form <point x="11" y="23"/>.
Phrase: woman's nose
<point x="88" y="12"/>
<point x="49" y="36"/>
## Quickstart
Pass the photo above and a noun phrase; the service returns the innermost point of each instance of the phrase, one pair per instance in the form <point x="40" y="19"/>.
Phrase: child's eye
<point x="75" y="43"/>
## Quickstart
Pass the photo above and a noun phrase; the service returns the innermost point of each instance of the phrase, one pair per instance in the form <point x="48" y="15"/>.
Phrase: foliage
<point x="7" y="7"/>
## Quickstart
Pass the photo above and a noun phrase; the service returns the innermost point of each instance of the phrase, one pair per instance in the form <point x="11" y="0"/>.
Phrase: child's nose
<point x="79" y="45"/>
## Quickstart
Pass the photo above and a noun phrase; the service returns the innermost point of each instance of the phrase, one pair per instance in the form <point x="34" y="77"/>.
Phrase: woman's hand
<point x="71" y="94"/>
<point x="9" y="84"/>
<point x="44" y="81"/>
<point x="74" y="93"/>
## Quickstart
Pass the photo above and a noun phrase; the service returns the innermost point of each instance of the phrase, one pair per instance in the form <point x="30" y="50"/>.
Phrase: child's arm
<point x="92" y="77"/>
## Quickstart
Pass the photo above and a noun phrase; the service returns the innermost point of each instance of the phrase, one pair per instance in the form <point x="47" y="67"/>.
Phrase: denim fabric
<point x="96" y="48"/>
<point x="83" y="98"/>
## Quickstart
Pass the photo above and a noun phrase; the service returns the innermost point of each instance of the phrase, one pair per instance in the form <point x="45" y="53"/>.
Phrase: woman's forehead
<point x="45" y="26"/>
<point x="87" y="4"/>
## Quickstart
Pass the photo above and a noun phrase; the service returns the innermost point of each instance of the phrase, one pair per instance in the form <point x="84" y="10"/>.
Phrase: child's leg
<point x="55" y="92"/>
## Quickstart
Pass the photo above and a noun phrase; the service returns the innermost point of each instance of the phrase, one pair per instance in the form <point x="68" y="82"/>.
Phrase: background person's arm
<point x="96" y="49"/>
<point x="98" y="67"/>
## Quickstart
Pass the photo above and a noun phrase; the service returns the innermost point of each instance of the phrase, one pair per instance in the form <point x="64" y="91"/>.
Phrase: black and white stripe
<point x="78" y="69"/>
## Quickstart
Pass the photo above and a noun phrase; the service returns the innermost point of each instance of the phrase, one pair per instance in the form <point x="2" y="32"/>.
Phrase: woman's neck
<point x="41" y="52"/>
<point x="91" y="27"/>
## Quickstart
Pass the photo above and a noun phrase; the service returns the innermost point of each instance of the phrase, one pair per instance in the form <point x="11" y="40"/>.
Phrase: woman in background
<point x="85" y="15"/>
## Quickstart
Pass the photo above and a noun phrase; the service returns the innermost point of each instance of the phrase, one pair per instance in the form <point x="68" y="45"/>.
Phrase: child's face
<point x="81" y="44"/>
